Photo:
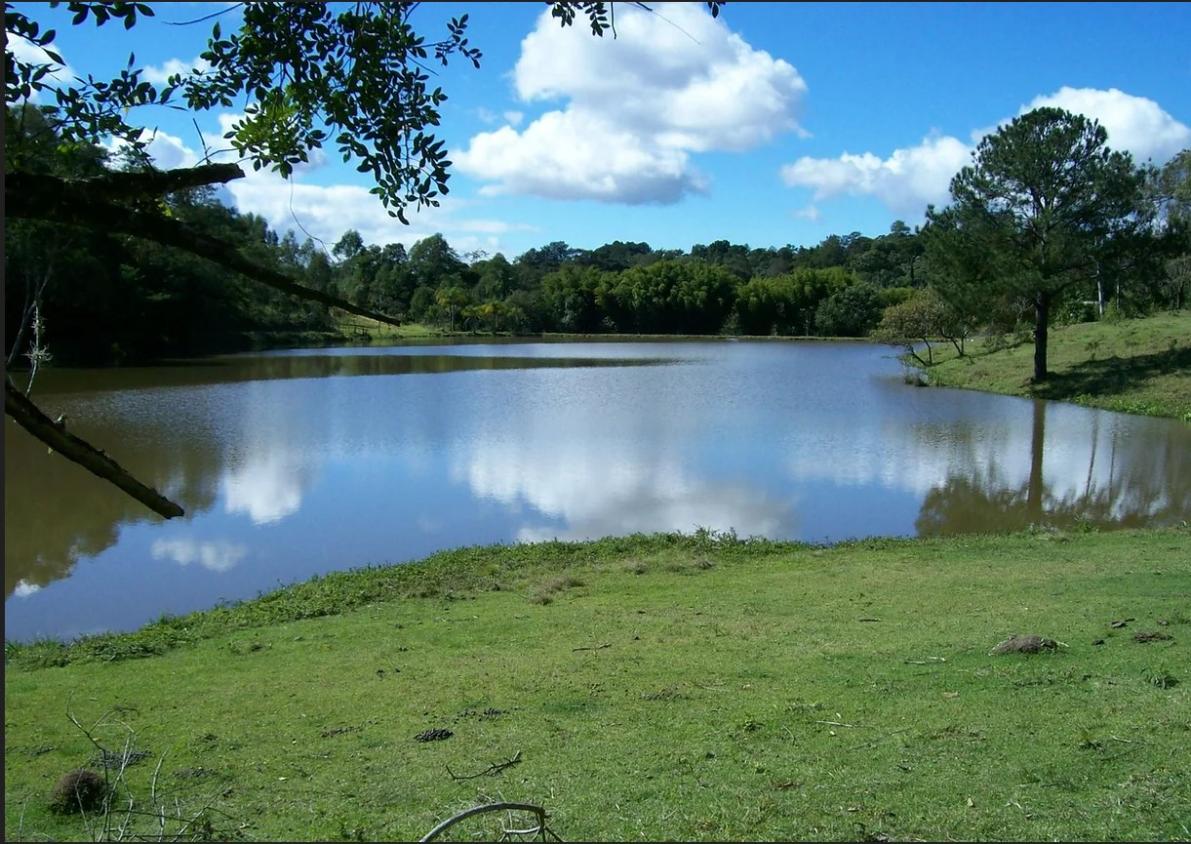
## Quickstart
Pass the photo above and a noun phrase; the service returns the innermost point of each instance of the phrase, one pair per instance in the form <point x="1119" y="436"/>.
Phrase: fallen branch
<point x="839" y="724"/>
<point x="491" y="771"/>
<point x="540" y="829"/>
<point x="30" y="417"/>
<point x="878" y="739"/>
<point x="596" y="648"/>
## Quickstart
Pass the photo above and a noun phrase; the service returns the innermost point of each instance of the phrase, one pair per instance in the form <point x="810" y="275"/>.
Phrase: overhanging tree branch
<point x="90" y="203"/>
<point x="55" y="435"/>
<point x="134" y="185"/>
<point x="87" y="203"/>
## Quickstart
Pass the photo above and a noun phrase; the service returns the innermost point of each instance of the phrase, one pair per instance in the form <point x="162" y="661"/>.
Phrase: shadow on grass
<point x="1112" y="376"/>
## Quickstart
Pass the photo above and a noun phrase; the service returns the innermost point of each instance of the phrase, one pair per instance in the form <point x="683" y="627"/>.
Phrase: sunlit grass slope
<point x="656" y="687"/>
<point x="1135" y="366"/>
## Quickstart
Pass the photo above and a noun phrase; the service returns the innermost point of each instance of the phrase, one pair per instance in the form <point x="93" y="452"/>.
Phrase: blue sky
<point x="779" y="123"/>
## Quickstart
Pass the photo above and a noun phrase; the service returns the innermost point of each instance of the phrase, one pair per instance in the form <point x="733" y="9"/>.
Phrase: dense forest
<point x="115" y="299"/>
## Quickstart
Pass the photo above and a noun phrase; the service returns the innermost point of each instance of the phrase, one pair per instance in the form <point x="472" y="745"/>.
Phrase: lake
<point x="293" y="463"/>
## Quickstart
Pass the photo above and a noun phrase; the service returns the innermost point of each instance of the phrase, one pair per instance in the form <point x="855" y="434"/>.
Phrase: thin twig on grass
<point x="595" y="648"/>
<point x="492" y="770"/>
<point x="878" y="739"/>
<point x="840" y="724"/>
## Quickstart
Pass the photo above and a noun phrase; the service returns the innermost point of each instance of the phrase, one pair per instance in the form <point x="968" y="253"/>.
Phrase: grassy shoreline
<point x="1140" y="366"/>
<point x="657" y="687"/>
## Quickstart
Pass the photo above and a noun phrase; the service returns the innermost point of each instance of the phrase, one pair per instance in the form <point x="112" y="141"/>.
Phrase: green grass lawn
<point x="354" y="326"/>
<point x="655" y="687"/>
<point x="1136" y="366"/>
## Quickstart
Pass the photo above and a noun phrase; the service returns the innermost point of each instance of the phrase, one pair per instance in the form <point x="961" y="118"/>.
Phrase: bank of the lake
<point x="660" y="687"/>
<point x="1133" y="366"/>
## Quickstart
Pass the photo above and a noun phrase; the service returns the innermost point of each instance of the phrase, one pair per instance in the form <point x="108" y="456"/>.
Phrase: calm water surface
<point x="298" y="462"/>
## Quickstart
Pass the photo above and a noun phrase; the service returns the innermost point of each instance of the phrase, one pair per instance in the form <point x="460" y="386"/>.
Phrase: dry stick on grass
<point x="492" y="770"/>
<point x="541" y="828"/>
<point x="114" y="786"/>
<point x="878" y="739"/>
<point x="840" y="724"/>
<point x="157" y="811"/>
<point x="596" y="648"/>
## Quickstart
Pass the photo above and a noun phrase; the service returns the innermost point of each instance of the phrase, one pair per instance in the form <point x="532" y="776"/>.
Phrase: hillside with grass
<point x="1133" y="365"/>
<point x="658" y="687"/>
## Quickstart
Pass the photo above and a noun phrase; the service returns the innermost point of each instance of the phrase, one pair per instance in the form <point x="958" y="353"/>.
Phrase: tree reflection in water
<point x="1147" y="481"/>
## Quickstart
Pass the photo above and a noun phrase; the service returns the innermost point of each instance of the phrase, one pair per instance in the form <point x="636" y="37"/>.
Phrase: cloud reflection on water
<point x="595" y="495"/>
<point x="213" y="556"/>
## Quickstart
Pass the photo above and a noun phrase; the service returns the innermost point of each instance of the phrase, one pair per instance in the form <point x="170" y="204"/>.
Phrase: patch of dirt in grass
<point x="666" y="693"/>
<point x="1152" y="636"/>
<point x="1030" y="644"/>
<point x="434" y="735"/>
<point x="338" y="731"/>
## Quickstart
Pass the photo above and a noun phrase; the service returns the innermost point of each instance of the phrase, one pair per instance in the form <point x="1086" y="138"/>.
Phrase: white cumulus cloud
<point x="1137" y="125"/>
<point x="907" y="181"/>
<point x="911" y="178"/>
<point x="158" y="74"/>
<point x="673" y="82"/>
<point x="325" y="211"/>
<point x="167" y="151"/>
<point x="24" y="50"/>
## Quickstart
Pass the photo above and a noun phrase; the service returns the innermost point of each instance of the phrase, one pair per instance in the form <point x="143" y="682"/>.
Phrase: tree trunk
<point x="1041" y="319"/>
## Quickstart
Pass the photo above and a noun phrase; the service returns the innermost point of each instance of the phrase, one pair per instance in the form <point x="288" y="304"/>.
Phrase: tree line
<point x="102" y="299"/>
<point x="1125" y="251"/>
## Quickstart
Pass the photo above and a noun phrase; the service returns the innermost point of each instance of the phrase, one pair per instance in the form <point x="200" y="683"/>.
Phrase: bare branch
<point x="492" y="770"/>
<point x="204" y="17"/>
<point x="30" y="417"/>
<point x="39" y="197"/>
<point x="135" y="185"/>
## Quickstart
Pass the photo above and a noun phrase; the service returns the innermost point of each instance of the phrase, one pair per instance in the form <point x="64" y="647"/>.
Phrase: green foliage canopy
<point x="1042" y="199"/>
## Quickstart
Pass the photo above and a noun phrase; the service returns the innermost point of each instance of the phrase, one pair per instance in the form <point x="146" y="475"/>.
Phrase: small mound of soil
<point x="1031" y="644"/>
<point x="338" y="731"/>
<point x="434" y="735"/>
<point x="78" y="790"/>
<point x="1156" y="636"/>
